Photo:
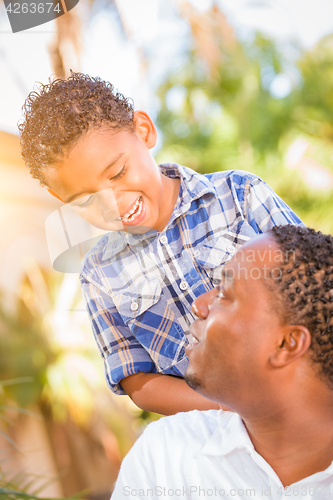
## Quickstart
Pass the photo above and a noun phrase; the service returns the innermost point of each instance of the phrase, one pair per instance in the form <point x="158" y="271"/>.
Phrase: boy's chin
<point x="137" y="229"/>
<point x="119" y="226"/>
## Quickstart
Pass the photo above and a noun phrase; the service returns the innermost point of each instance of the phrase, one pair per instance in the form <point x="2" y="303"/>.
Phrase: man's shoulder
<point x="188" y="427"/>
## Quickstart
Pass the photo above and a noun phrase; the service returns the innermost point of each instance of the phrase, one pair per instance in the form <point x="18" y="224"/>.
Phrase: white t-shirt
<point x="207" y="454"/>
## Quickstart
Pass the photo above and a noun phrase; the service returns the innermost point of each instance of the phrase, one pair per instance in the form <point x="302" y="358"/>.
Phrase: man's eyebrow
<point x="111" y="164"/>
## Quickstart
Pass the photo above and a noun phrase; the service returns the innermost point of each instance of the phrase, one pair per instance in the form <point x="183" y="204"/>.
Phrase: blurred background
<point x="231" y="84"/>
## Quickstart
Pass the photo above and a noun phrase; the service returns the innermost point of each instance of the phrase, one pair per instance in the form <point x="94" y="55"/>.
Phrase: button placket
<point x="183" y="285"/>
<point x="134" y="306"/>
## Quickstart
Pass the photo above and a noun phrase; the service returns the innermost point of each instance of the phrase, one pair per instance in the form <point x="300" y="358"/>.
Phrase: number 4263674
<point x="32" y="8"/>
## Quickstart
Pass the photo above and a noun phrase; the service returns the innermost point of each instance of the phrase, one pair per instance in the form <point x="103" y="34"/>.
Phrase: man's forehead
<point x="261" y="249"/>
<point x="260" y="258"/>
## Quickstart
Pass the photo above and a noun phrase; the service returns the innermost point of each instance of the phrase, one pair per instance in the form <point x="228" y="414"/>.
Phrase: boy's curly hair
<point x="57" y="114"/>
<point x="305" y="288"/>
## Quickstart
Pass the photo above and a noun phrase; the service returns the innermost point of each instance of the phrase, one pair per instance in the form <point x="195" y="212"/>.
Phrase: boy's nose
<point x="200" y="306"/>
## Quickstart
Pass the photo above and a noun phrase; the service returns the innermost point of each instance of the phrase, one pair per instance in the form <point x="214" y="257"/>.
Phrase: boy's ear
<point x="145" y="127"/>
<point x="295" y="342"/>
<point x="54" y="194"/>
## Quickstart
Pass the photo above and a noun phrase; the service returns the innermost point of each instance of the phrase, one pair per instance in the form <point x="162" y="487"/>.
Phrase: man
<point x="264" y="349"/>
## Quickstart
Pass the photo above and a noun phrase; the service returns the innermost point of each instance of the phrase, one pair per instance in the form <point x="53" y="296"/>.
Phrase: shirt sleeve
<point x="265" y="209"/>
<point x="123" y="355"/>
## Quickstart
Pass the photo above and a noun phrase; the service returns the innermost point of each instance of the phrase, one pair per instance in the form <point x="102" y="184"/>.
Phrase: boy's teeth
<point x="137" y="204"/>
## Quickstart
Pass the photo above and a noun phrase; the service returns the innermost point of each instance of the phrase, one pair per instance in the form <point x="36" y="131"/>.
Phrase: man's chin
<point x="192" y="380"/>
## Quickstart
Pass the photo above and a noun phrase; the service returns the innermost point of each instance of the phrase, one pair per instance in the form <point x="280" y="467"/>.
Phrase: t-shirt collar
<point x="231" y="434"/>
<point x="228" y="436"/>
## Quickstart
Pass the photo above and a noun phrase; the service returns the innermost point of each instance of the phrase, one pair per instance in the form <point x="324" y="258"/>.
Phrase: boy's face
<point x="110" y="174"/>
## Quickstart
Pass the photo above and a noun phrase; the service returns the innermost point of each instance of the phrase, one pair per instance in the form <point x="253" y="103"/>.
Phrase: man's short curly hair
<point x="306" y="288"/>
<point x="57" y="114"/>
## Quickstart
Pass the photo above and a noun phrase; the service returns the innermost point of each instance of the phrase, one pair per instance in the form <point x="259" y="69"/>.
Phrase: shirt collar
<point x="116" y="243"/>
<point x="229" y="435"/>
<point x="193" y="185"/>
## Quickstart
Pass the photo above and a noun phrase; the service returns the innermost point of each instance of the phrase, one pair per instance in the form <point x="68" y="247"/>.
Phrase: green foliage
<point x="35" y="343"/>
<point x="21" y="486"/>
<point x="12" y="494"/>
<point x="234" y="118"/>
<point x="23" y="351"/>
<point x="315" y="98"/>
<point x="16" y="494"/>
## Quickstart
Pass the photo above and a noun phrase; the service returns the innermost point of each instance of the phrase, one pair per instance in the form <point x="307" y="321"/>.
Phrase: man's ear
<point x="295" y="342"/>
<point x="54" y="194"/>
<point x="145" y="127"/>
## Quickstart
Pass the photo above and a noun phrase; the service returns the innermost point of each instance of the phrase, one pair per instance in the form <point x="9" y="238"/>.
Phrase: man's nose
<point x="200" y="306"/>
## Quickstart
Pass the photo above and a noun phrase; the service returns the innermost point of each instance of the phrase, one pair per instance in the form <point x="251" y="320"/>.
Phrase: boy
<point x="171" y="231"/>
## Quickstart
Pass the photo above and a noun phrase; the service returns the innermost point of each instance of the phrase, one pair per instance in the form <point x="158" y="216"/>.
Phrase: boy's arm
<point x="122" y="353"/>
<point x="164" y="394"/>
<point x="265" y="209"/>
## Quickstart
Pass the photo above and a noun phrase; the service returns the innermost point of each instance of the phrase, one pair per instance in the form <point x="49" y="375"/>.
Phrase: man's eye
<point x="220" y="292"/>
<point x="121" y="173"/>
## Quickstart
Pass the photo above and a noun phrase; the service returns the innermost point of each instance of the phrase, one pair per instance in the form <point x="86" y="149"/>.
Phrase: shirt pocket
<point x="136" y="299"/>
<point x="215" y="252"/>
<point x="152" y="322"/>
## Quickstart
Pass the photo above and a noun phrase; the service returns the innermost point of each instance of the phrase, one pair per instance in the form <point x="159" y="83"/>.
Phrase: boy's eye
<point x="121" y="173"/>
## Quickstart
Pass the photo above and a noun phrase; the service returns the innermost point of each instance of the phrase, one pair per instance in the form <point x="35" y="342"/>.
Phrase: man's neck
<point x="296" y="444"/>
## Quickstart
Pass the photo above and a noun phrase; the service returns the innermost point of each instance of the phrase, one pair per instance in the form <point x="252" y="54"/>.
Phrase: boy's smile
<point x="111" y="180"/>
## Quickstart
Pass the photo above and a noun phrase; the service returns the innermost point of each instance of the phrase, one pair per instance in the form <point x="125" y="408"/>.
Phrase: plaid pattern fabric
<point x="139" y="288"/>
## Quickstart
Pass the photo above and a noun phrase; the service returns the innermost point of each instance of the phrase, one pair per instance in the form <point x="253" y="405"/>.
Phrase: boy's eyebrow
<point x="113" y="162"/>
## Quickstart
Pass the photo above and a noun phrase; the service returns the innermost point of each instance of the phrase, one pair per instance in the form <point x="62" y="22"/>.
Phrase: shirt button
<point x="163" y="240"/>
<point x="231" y="249"/>
<point x="183" y="285"/>
<point x="134" y="306"/>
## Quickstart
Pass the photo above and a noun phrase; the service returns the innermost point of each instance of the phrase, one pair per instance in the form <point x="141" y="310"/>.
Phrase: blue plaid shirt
<point x="139" y="288"/>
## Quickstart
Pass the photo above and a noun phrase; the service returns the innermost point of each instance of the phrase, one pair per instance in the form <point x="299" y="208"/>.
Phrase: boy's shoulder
<point x="236" y="178"/>
<point x="187" y="173"/>
<point x="232" y="178"/>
